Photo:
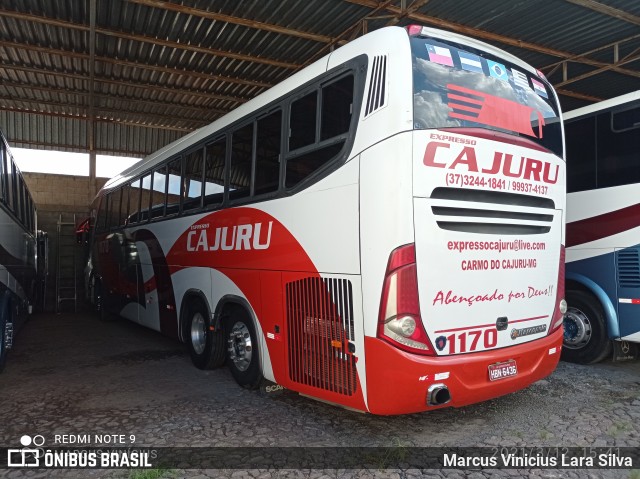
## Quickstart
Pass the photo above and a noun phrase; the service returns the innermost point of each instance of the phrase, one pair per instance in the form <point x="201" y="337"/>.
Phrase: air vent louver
<point x="628" y="267"/>
<point x="377" y="85"/>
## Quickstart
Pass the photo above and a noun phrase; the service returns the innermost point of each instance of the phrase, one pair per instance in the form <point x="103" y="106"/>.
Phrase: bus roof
<point x="274" y="93"/>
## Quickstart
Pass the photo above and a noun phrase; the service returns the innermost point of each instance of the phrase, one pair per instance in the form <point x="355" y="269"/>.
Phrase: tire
<point x="585" y="332"/>
<point x="205" y="345"/>
<point x="243" y="352"/>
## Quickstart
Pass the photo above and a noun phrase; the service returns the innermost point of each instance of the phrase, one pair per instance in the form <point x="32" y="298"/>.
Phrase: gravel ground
<point x="71" y="374"/>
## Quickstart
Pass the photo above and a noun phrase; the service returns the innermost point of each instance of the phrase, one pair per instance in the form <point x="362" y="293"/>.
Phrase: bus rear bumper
<point x="397" y="382"/>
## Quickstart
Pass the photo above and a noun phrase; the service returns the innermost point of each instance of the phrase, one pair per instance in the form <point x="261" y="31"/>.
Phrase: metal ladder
<point x="66" y="274"/>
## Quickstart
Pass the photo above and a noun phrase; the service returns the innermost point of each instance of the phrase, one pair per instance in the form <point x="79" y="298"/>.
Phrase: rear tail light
<point x="561" y="304"/>
<point x="399" y="322"/>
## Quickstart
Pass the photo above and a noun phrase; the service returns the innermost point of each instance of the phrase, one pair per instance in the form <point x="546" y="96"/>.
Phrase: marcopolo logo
<point x="518" y="333"/>
<point x="29" y="454"/>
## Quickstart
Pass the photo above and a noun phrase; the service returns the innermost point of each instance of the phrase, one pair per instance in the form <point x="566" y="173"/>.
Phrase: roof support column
<point x="91" y="117"/>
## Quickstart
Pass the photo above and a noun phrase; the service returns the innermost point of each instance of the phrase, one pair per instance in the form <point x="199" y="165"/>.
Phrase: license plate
<point x="503" y="370"/>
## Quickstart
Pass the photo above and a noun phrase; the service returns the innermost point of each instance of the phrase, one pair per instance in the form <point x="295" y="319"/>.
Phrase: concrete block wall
<point x="65" y="195"/>
<point x="62" y="191"/>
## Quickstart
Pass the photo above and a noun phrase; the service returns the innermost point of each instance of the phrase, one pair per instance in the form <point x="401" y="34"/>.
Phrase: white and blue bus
<point x="603" y="229"/>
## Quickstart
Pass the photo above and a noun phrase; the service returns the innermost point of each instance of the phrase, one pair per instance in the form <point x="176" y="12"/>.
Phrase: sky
<point x="63" y="163"/>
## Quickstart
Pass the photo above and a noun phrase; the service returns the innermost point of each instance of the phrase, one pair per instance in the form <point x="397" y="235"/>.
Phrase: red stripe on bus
<point x="601" y="226"/>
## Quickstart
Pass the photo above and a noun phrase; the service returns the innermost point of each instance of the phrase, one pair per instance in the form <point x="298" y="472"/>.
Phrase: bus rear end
<point x="471" y="308"/>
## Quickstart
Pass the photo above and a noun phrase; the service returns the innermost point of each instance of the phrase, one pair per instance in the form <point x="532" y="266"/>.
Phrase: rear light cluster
<point x="561" y="304"/>
<point x="399" y="322"/>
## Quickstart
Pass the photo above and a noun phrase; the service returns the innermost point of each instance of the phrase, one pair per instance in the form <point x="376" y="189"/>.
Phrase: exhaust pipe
<point x="438" y="394"/>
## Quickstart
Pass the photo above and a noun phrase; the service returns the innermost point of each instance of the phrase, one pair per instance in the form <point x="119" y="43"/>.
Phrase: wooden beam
<point x="202" y="111"/>
<point x="147" y="39"/>
<point x="145" y="86"/>
<point x="221" y="17"/>
<point x="4" y="107"/>
<point x="414" y="7"/>
<point x="17" y="143"/>
<point x="114" y="112"/>
<point x="552" y="66"/>
<point x="597" y="71"/>
<point x="132" y="64"/>
<point x="353" y="29"/>
<point x="607" y="10"/>
<point x="580" y="96"/>
<point x="485" y="35"/>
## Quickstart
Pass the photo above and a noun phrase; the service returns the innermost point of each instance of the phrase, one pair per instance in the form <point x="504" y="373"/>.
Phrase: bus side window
<point x="115" y="204"/>
<point x="134" y="202"/>
<point x="107" y="212"/>
<point x="581" y="154"/>
<point x="214" y="172"/>
<point x="617" y="152"/>
<point x="192" y="190"/>
<point x="241" y="156"/>
<point x="625" y="120"/>
<point x="9" y="180"/>
<point x="337" y="106"/>
<point x="15" y="202"/>
<point x="124" y="206"/>
<point x="27" y="207"/>
<point x="335" y="119"/>
<point x="267" y="169"/>
<point x="159" y="192"/>
<point x="145" y="198"/>
<point x="100" y="217"/>
<point x="173" y="187"/>
<point x="303" y="121"/>
<point x="3" y="174"/>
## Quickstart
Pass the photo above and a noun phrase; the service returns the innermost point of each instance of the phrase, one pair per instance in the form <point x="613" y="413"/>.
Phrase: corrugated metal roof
<point x="163" y="69"/>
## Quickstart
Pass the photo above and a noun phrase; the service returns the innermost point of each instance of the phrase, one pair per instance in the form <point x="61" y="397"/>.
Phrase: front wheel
<point x="585" y="332"/>
<point x="242" y="351"/>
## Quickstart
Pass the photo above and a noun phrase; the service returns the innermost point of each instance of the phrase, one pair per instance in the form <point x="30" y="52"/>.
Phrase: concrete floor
<point x="73" y="374"/>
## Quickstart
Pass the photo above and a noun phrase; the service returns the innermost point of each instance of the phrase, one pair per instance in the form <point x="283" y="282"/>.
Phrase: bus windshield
<point x="459" y="86"/>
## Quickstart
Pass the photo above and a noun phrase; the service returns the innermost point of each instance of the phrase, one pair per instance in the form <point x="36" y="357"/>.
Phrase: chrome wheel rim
<point x="198" y="333"/>
<point x="577" y="329"/>
<point x="240" y="347"/>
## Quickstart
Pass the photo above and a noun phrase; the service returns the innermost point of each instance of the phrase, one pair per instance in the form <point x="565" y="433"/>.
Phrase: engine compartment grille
<point x="320" y="326"/>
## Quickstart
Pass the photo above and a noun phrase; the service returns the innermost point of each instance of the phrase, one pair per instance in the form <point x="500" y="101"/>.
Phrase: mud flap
<point x="624" y="351"/>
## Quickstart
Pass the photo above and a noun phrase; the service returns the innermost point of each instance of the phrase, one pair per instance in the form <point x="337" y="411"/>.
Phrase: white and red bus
<point x="603" y="230"/>
<point x="383" y="230"/>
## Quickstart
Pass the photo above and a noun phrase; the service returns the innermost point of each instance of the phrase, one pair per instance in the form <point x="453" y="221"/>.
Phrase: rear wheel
<point x="206" y="345"/>
<point x="243" y="354"/>
<point x="585" y="332"/>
